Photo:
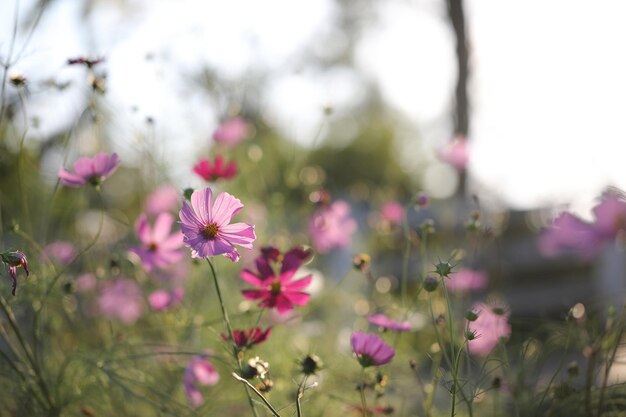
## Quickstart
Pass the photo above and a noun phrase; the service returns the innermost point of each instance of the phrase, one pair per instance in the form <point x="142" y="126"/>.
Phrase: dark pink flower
<point x="332" y="227"/>
<point x="232" y="131"/>
<point x="489" y="328"/>
<point x="122" y="300"/>
<point x="245" y="339"/>
<point x="371" y="350"/>
<point x="14" y="260"/>
<point x="277" y="289"/>
<point x="159" y="249"/>
<point x="165" y="198"/>
<point x="160" y="300"/>
<point x="456" y="152"/>
<point x="198" y="371"/>
<point x="90" y="170"/>
<point x="466" y="280"/>
<point x="214" y="171"/>
<point x="206" y="229"/>
<point x="60" y="251"/>
<point x="385" y="322"/>
<point x="393" y="212"/>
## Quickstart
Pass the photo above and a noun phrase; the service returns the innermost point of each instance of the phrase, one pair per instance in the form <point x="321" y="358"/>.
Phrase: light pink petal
<point x="233" y="255"/>
<point x="105" y="164"/>
<point x="162" y="227"/>
<point x="225" y="208"/>
<point x="70" y="180"/>
<point x="241" y="234"/>
<point x="159" y="300"/>
<point x="298" y="284"/>
<point x="189" y="217"/>
<point x="84" y="167"/>
<point x="142" y="228"/>
<point x="201" y="201"/>
<point x="174" y="241"/>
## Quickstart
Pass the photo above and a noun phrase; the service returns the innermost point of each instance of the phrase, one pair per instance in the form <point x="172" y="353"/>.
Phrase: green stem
<point x="362" y="392"/>
<point x="249" y="385"/>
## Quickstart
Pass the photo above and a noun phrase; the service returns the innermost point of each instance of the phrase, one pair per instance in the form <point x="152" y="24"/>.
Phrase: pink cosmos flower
<point x="332" y="227"/>
<point x="14" y="260"/>
<point x="90" y="170"/>
<point x="213" y="172"/>
<point x="160" y="248"/>
<point x="198" y="371"/>
<point x="456" y="152"/>
<point x="85" y="282"/>
<point x="385" y="322"/>
<point x="206" y="229"/>
<point x="164" y="198"/>
<point x="466" y="280"/>
<point x="393" y="212"/>
<point x="245" y="339"/>
<point x="232" y="131"/>
<point x="278" y="290"/>
<point x="569" y="233"/>
<point x="610" y="216"/>
<point x="122" y="300"/>
<point x="60" y="251"/>
<point x="371" y="350"/>
<point x="161" y="300"/>
<point x="489" y="328"/>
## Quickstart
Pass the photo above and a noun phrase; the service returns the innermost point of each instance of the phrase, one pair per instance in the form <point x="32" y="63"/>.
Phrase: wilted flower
<point x="488" y="329"/>
<point x="164" y="198"/>
<point x="255" y="368"/>
<point x="201" y="371"/>
<point x="159" y="249"/>
<point x="466" y="279"/>
<point x="385" y="322"/>
<point x="232" y="131"/>
<point x="88" y="62"/>
<point x="245" y="339"/>
<point x="217" y="170"/>
<point x="14" y="260"/>
<point x="121" y="299"/>
<point x="310" y="364"/>
<point x="160" y="300"/>
<point x="456" y="152"/>
<point x="277" y="289"/>
<point x="60" y="251"/>
<point x="332" y="227"/>
<point x="206" y="229"/>
<point x="90" y="170"/>
<point x="392" y="212"/>
<point x="371" y="350"/>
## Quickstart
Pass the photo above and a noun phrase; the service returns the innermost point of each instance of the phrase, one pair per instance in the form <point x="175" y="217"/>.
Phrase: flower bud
<point x="471" y="315"/>
<point x="443" y="268"/>
<point x="361" y="262"/>
<point x="187" y="192"/>
<point x="422" y="200"/>
<point x="310" y="364"/>
<point x="431" y="283"/>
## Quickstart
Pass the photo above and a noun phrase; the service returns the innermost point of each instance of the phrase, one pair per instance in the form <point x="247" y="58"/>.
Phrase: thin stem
<point x="405" y="258"/>
<point x="362" y="392"/>
<point x="249" y="385"/>
<point x="299" y="396"/>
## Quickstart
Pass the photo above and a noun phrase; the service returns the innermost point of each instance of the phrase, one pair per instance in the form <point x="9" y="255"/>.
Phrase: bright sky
<point x="548" y="87"/>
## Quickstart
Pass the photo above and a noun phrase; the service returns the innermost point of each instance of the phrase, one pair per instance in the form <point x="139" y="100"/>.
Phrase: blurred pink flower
<point x="85" y="282"/>
<point x="60" y="251"/>
<point x="231" y="131"/>
<point x="393" y="212"/>
<point x="165" y="198"/>
<point x="198" y="371"/>
<point x="14" y="260"/>
<point x="90" y="170"/>
<point x="277" y="290"/>
<point x="217" y="170"/>
<point x="466" y="280"/>
<point x="332" y="227"/>
<point x="456" y="152"/>
<point x="160" y="300"/>
<point x="160" y="248"/>
<point x="610" y="216"/>
<point x="122" y="300"/>
<point x="371" y="350"/>
<point x="385" y="322"/>
<point x="489" y="328"/>
<point x="206" y="228"/>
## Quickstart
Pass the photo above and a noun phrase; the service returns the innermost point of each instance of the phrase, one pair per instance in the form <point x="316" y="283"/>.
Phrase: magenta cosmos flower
<point x="90" y="170"/>
<point x="371" y="350"/>
<point x="14" y="260"/>
<point x="489" y="328"/>
<point x="206" y="229"/>
<point x="332" y="227"/>
<point x="160" y="248"/>
<point x="385" y="322"/>
<point x="245" y="339"/>
<point x="198" y="371"/>
<point x="278" y="289"/>
<point x="232" y="131"/>
<point x="214" y="171"/>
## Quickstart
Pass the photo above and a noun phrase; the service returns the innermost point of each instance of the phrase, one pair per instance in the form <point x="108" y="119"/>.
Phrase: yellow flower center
<point x="275" y="287"/>
<point x="210" y="231"/>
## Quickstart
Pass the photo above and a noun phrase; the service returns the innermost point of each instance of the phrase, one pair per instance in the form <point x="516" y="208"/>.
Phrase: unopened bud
<point x="431" y="283"/>
<point x="310" y="364"/>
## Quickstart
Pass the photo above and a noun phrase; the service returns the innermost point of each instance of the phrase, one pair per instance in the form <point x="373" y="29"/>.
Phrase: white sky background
<point x="548" y="84"/>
